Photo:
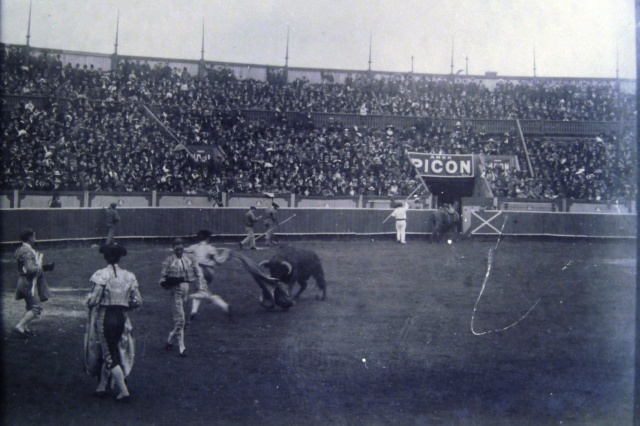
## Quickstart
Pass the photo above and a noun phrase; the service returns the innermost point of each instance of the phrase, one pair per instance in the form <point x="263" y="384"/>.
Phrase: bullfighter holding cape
<point x="109" y="347"/>
<point x="32" y="284"/>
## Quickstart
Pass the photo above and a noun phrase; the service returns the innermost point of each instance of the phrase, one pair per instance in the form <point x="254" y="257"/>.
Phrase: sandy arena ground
<point x="410" y="334"/>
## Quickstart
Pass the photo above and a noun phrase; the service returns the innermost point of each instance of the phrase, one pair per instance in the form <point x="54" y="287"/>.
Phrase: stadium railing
<point x="15" y="199"/>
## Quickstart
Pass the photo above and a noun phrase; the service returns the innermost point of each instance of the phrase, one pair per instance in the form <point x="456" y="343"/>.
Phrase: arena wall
<point x="480" y="222"/>
<point x="157" y="222"/>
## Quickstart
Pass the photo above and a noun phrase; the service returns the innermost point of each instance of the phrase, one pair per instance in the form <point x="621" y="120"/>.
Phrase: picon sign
<point x="443" y="166"/>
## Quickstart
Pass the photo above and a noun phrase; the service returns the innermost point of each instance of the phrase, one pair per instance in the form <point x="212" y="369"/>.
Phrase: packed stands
<point x="130" y="130"/>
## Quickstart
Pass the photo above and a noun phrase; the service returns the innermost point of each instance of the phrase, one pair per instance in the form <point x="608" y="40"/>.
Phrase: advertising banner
<point x="443" y="165"/>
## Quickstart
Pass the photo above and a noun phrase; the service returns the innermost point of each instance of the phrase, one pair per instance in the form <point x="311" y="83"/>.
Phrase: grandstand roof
<point x="340" y="35"/>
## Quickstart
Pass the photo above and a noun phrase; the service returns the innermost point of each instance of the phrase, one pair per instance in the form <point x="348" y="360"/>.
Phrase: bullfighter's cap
<point x="203" y="234"/>
<point x="113" y="250"/>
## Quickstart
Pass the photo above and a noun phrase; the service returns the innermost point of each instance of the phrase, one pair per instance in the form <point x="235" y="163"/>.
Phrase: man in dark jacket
<point x="250" y="220"/>
<point x="271" y="222"/>
<point x="113" y="219"/>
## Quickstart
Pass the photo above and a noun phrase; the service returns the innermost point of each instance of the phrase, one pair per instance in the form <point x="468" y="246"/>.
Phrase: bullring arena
<point x="522" y="311"/>
<point x="415" y="333"/>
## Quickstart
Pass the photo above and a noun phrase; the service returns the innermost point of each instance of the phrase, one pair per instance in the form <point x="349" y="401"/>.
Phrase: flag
<point x="203" y="153"/>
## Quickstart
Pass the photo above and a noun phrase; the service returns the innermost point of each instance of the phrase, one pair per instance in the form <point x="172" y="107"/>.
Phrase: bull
<point x="291" y="264"/>
<point x="274" y="293"/>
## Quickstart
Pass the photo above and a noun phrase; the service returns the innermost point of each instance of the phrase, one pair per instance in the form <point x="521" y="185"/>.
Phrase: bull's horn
<point x="289" y="267"/>
<point x="263" y="263"/>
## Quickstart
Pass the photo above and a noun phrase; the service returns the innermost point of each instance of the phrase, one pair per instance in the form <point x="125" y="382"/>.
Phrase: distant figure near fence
<point x="271" y="222"/>
<point x="55" y="203"/>
<point x="445" y="220"/>
<point x="250" y="220"/>
<point x="113" y="219"/>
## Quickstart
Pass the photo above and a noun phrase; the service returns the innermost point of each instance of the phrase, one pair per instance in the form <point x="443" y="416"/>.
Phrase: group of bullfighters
<point x="109" y="343"/>
<point x="197" y="263"/>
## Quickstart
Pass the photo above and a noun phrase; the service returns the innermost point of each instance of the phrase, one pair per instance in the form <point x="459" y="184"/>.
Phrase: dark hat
<point x="253" y="207"/>
<point x="113" y="250"/>
<point x="113" y="205"/>
<point x="178" y="242"/>
<point x="203" y="234"/>
<point x="275" y="205"/>
<point x="26" y="234"/>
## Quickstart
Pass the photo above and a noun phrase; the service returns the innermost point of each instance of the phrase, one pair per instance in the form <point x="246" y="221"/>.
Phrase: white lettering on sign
<point x="442" y="165"/>
<point x="451" y="167"/>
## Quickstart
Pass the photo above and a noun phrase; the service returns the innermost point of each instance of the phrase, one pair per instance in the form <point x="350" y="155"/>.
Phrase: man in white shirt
<point x="400" y="214"/>
<point x="207" y="258"/>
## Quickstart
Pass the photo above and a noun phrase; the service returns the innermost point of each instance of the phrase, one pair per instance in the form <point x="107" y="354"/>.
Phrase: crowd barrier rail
<point x="16" y="199"/>
<point x="89" y="224"/>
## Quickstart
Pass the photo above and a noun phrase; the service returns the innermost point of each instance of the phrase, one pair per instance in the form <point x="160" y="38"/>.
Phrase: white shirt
<point x="400" y="213"/>
<point x="205" y="254"/>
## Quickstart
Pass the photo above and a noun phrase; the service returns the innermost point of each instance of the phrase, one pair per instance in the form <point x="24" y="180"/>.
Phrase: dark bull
<point x="292" y="264"/>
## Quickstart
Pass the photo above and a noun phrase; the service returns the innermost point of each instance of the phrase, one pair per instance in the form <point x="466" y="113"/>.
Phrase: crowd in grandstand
<point x="408" y="95"/>
<point x="95" y="134"/>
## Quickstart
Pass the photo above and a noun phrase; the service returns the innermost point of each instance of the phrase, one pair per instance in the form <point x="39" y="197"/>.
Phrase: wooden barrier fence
<point x="70" y="224"/>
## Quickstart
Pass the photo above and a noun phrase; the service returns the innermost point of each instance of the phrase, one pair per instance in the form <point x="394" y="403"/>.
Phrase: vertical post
<point x="534" y="60"/>
<point x="114" y="57"/>
<point x="286" y="60"/>
<point x="28" y="46"/>
<point x="115" y="52"/>
<point x="451" y="55"/>
<point x="286" y="55"/>
<point x="202" y="44"/>
<point x="370" y="41"/>
<point x="29" y="27"/>
<point x="201" y="70"/>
